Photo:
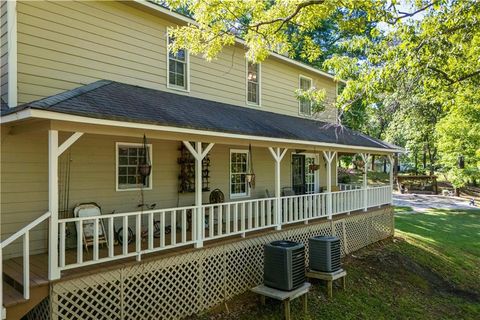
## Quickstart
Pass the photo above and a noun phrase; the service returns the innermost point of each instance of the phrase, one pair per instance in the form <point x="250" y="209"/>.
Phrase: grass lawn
<point x="430" y="270"/>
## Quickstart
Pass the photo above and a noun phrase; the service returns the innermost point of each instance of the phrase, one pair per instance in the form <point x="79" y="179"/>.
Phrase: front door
<point x="303" y="179"/>
<point x="298" y="173"/>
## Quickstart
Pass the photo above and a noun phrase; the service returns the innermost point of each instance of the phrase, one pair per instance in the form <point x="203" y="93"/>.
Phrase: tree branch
<point x="452" y="81"/>
<point x="284" y="20"/>
<point x="411" y="14"/>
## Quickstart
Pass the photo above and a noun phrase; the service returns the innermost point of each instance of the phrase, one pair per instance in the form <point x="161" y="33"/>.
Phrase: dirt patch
<point x="401" y="266"/>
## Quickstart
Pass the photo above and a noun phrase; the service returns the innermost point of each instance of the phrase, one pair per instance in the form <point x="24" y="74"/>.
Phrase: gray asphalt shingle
<point x="118" y="101"/>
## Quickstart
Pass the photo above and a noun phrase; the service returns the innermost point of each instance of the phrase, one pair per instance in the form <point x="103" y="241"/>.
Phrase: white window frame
<point x="247" y="189"/>
<point x="137" y="145"/>
<point x="187" y="70"/>
<point x="259" y="93"/>
<point x="300" y="77"/>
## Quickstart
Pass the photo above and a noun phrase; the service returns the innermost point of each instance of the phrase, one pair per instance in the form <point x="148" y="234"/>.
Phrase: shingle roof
<point x="122" y="102"/>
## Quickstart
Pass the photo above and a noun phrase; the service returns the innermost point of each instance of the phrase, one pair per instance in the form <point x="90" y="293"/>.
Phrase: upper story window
<point x="177" y="69"/>
<point x="129" y="156"/>
<point x="253" y="83"/>
<point x="305" y="106"/>
<point x="238" y="173"/>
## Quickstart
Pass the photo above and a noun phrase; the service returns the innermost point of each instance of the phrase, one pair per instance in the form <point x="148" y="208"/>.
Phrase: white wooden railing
<point x="303" y="207"/>
<point x="230" y="218"/>
<point x="151" y="231"/>
<point x="157" y="230"/>
<point x="25" y="233"/>
<point x="346" y="186"/>
<point x="378" y="196"/>
<point x="347" y="201"/>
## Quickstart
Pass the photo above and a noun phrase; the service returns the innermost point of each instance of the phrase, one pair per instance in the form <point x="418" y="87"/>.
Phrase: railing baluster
<point x="138" y="236"/>
<point x="125" y="235"/>
<point x="95" y="239"/>
<point x="249" y="212"/>
<point x="262" y="212"/>
<point x="290" y="209"/>
<point x="150" y="231"/>
<point x="227" y="218"/>
<point x="26" y="266"/>
<point x="162" y="229"/>
<point x="184" y="225"/>
<point x="62" y="245"/>
<point x="193" y="222"/>
<point x="220" y="218"/>
<point x="256" y="215"/>
<point x="235" y="218"/>
<point x="79" y="241"/>
<point x="269" y="212"/>
<point x="242" y="221"/>
<point x="111" y="236"/>
<point x="211" y="226"/>
<point x="173" y="225"/>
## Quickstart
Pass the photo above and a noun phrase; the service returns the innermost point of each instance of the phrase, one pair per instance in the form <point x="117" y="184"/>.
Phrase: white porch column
<point x="53" y="271"/>
<point x="54" y="151"/>
<point x="198" y="153"/>
<point x="278" y="155"/>
<point x="391" y="158"/>
<point x="329" y="156"/>
<point x="365" y="157"/>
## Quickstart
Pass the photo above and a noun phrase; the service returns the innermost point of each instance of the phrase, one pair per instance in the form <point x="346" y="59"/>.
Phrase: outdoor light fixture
<point x="250" y="176"/>
<point x="145" y="167"/>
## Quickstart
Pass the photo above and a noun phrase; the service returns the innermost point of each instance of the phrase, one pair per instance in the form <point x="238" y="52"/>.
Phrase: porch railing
<point x="157" y="230"/>
<point x="25" y="234"/>
<point x="303" y="207"/>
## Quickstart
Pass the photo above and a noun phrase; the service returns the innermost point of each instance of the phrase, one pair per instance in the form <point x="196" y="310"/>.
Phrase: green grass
<point x="430" y="270"/>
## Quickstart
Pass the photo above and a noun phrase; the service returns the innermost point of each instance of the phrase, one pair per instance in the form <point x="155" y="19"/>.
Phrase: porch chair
<point x="90" y="209"/>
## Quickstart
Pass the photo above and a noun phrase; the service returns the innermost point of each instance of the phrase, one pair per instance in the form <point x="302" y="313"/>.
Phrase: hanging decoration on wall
<point x="145" y="165"/>
<point x="250" y="176"/>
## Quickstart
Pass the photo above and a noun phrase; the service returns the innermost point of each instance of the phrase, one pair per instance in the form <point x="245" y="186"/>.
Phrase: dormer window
<point x="253" y="84"/>
<point x="177" y="69"/>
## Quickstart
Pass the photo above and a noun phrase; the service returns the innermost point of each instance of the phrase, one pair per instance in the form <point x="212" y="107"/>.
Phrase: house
<point x="82" y="84"/>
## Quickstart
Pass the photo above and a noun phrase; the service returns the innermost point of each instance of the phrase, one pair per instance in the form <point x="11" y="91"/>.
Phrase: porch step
<point x="11" y="296"/>
<point x="13" y="274"/>
<point x="16" y="306"/>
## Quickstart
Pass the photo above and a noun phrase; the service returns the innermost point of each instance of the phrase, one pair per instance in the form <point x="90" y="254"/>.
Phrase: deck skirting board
<point x="188" y="283"/>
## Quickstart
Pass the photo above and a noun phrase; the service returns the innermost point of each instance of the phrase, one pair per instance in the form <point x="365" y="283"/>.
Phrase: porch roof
<point x="111" y="100"/>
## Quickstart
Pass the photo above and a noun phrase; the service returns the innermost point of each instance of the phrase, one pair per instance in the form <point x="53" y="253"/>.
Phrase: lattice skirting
<point x="185" y="284"/>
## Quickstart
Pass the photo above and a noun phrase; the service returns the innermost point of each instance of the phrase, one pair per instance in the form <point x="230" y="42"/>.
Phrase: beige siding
<point x="24" y="183"/>
<point x="63" y="45"/>
<point x="3" y="52"/>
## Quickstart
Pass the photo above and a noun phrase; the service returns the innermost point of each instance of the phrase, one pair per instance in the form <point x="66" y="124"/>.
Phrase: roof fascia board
<point x="43" y="114"/>
<point x="238" y="40"/>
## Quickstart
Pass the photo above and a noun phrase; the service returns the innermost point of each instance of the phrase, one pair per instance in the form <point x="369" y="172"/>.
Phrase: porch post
<point x="391" y="158"/>
<point x="329" y="156"/>
<point x="198" y="154"/>
<point x="53" y="271"/>
<point x="365" y="157"/>
<point x="278" y="155"/>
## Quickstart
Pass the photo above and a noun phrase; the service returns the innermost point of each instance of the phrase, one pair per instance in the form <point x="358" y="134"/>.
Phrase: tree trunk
<point x="416" y="165"/>
<point x="384" y="165"/>
<point x="373" y="162"/>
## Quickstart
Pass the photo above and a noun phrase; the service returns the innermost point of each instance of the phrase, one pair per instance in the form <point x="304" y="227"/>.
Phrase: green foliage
<point x="410" y="77"/>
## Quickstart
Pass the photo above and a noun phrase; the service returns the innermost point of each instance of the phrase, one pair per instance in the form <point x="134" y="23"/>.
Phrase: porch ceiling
<point x="138" y="109"/>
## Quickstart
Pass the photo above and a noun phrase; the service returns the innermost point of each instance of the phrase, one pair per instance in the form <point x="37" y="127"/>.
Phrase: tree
<point x="411" y="76"/>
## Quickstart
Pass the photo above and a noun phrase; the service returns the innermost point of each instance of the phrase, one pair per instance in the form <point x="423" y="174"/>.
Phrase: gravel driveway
<point x="423" y="202"/>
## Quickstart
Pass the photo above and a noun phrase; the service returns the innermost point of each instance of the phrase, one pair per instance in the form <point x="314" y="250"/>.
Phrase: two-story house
<point x="230" y="160"/>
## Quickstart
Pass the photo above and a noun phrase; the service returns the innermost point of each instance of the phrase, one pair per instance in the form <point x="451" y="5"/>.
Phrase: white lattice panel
<point x="40" y="312"/>
<point x="181" y="285"/>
